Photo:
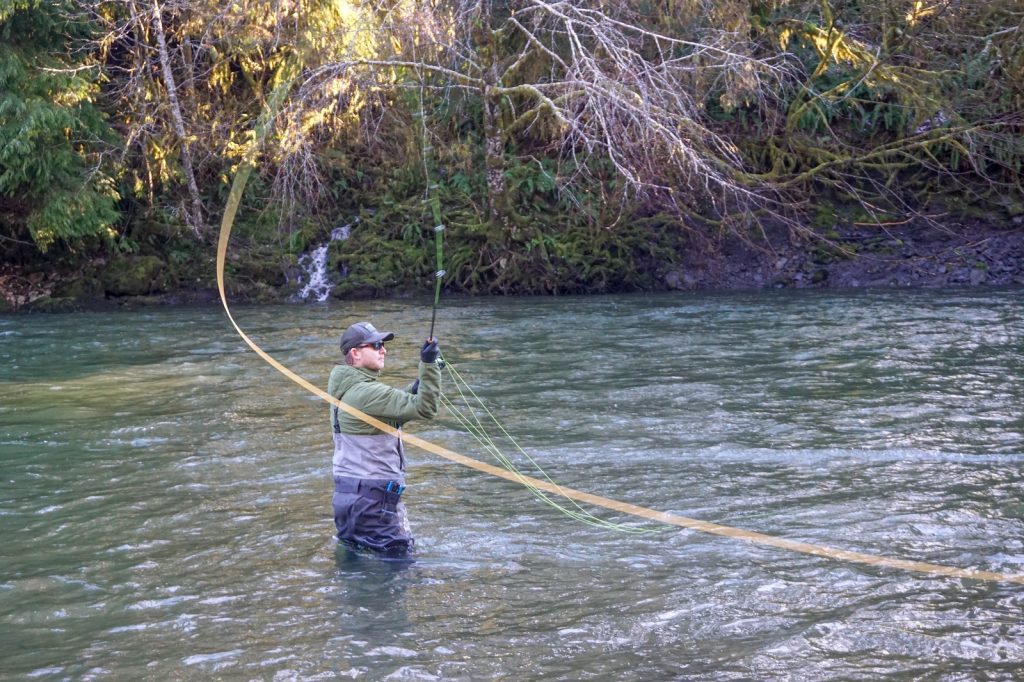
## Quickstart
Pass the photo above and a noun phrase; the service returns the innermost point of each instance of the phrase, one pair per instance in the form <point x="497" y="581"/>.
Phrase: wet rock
<point x="959" y="276"/>
<point x="53" y="304"/>
<point x="673" y="280"/>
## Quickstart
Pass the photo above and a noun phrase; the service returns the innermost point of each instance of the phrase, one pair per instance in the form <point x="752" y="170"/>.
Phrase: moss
<point x="52" y="304"/>
<point x="388" y="252"/>
<point x="85" y="289"/>
<point x="374" y="266"/>
<point x="135" y="276"/>
<point x="824" y="216"/>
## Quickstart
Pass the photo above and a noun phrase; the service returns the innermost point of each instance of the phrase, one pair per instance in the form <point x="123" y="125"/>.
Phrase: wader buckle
<point x="392" y="494"/>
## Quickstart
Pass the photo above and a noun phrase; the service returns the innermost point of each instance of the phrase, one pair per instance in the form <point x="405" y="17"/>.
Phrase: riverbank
<point x="862" y="257"/>
<point x="852" y="257"/>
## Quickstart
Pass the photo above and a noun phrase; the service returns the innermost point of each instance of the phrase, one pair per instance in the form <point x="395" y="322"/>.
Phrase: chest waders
<point x="369" y="479"/>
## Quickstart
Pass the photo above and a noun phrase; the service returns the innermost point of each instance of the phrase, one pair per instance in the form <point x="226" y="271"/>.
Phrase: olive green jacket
<point x="362" y="450"/>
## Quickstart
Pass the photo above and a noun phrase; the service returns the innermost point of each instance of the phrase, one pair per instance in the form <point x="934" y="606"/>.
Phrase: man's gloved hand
<point x="415" y="387"/>
<point x="430" y="351"/>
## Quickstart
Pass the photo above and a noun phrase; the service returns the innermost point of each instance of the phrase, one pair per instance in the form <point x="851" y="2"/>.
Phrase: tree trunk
<point x="195" y="216"/>
<point x="494" y="159"/>
<point x="494" y="149"/>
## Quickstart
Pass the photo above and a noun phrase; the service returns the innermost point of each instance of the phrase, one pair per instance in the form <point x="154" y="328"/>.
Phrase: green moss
<point x="135" y="276"/>
<point x="84" y="288"/>
<point x="824" y="216"/>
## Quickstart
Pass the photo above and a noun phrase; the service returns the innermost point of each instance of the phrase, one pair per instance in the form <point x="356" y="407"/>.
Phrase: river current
<point x="165" y="494"/>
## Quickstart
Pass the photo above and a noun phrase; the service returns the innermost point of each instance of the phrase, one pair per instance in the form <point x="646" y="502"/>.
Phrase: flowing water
<point x="165" y="495"/>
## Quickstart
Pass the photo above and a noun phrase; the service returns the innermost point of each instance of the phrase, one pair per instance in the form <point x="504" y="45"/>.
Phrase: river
<point x="165" y="494"/>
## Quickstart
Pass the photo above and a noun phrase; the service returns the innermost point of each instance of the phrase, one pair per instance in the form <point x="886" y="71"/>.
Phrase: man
<point x="369" y="464"/>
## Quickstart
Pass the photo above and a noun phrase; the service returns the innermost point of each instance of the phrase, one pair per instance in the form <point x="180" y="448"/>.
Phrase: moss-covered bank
<point x="369" y="264"/>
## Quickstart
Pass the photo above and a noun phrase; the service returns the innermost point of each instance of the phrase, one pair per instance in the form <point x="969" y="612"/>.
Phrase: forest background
<point x="567" y="147"/>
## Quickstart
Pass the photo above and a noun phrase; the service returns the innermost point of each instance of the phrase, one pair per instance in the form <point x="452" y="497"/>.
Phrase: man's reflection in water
<point x="370" y="598"/>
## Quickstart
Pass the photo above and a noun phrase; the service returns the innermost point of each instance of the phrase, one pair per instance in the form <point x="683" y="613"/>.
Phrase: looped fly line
<point x="234" y="199"/>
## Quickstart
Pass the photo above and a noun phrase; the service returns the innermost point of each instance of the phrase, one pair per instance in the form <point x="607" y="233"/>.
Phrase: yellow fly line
<point x="234" y="199"/>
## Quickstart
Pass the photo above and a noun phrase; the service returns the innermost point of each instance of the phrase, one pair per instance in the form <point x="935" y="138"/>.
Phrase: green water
<point x="165" y="495"/>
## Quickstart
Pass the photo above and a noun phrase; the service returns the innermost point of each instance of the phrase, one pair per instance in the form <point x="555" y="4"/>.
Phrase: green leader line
<point x="231" y="208"/>
<point x="469" y="418"/>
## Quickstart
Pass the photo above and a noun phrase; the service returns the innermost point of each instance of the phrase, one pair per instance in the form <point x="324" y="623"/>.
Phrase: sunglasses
<point x="376" y="345"/>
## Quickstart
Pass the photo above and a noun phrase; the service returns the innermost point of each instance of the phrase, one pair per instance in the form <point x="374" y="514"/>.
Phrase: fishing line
<point x="467" y="416"/>
<point x="231" y="208"/>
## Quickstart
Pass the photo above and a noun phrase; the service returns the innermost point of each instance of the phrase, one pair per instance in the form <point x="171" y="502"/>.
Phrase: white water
<point x="314" y="264"/>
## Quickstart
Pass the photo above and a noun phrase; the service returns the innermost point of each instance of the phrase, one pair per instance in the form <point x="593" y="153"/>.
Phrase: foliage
<point x="573" y="147"/>
<point x="56" y="185"/>
<point x="564" y="244"/>
<point x="897" y="100"/>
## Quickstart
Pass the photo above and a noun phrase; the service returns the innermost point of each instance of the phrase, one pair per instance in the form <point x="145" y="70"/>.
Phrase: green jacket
<point x="362" y="450"/>
<point x="362" y="389"/>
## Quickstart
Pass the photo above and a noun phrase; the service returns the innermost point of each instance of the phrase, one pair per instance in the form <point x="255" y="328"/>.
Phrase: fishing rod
<point x="435" y="208"/>
<point x="439" y="273"/>
<point x="467" y="408"/>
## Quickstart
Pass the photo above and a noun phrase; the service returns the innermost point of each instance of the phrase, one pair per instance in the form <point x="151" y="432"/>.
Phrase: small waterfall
<point x="314" y="267"/>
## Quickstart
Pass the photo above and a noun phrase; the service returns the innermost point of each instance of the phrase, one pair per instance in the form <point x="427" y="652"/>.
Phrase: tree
<point x="188" y="80"/>
<point x="901" y="107"/>
<point x="583" y="82"/>
<point x="56" y="183"/>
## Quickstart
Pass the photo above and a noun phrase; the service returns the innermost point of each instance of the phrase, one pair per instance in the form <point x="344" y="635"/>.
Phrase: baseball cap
<point x="362" y="333"/>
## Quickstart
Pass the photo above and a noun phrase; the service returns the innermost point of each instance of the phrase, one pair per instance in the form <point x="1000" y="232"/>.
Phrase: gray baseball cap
<point x="360" y="334"/>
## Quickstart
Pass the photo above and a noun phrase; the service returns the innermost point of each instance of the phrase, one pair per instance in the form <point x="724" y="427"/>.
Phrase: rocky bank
<point x="922" y="256"/>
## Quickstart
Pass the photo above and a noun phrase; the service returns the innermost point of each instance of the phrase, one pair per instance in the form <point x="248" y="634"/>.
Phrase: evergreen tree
<point x="55" y="187"/>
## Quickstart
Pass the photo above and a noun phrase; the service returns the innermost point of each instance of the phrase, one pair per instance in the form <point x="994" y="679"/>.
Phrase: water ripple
<point x="164" y="497"/>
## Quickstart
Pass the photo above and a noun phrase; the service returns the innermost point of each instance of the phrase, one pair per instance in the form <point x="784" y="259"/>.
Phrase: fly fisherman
<point x="369" y="464"/>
